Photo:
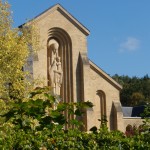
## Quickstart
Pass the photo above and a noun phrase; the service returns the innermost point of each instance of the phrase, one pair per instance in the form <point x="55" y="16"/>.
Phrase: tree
<point x="135" y="90"/>
<point x="137" y="98"/>
<point x="29" y="124"/>
<point x="15" y="47"/>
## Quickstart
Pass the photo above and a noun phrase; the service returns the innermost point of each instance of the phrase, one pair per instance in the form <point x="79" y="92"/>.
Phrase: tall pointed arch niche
<point x="58" y="35"/>
<point x="102" y="103"/>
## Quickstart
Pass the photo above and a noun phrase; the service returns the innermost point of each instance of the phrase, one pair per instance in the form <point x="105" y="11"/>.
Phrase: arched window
<point x="102" y="97"/>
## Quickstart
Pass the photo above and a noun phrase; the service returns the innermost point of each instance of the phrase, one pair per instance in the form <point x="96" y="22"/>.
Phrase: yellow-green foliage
<point x="15" y="46"/>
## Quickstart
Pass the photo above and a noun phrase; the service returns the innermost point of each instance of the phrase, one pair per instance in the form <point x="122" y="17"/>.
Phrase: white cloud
<point x="130" y="44"/>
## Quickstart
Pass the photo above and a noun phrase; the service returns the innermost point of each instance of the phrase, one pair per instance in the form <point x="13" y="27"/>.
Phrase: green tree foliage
<point x="136" y="98"/>
<point x="35" y="120"/>
<point x="39" y="115"/>
<point x="34" y="123"/>
<point x="146" y="116"/>
<point x="15" y="47"/>
<point x="40" y="110"/>
<point x="136" y="91"/>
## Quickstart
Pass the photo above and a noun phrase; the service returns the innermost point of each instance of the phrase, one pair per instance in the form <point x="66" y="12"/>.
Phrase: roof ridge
<point x="66" y="14"/>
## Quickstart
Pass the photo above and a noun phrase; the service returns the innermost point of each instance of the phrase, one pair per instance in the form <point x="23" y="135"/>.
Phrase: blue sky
<point x="119" y="40"/>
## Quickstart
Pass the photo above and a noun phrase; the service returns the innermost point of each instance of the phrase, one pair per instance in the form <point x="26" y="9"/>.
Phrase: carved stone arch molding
<point x="102" y="97"/>
<point x="61" y="37"/>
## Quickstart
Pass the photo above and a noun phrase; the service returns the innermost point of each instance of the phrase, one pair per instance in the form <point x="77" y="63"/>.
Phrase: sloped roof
<point x="105" y="75"/>
<point x="133" y="111"/>
<point x="66" y="14"/>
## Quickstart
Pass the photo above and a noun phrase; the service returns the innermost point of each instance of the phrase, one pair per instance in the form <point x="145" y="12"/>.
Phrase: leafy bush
<point x="34" y="123"/>
<point x="30" y="122"/>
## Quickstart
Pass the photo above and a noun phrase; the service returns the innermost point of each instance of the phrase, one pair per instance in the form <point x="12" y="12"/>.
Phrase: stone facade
<point x="82" y="79"/>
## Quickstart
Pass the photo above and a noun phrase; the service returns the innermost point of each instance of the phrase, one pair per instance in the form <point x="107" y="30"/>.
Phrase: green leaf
<point x="55" y="114"/>
<point x="88" y="104"/>
<point x="78" y="112"/>
<point x="61" y="107"/>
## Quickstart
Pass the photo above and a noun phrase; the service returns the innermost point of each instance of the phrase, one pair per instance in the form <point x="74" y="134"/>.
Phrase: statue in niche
<point x="55" y="69"/>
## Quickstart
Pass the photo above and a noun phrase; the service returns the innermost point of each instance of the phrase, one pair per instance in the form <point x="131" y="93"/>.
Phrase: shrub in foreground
<point x="33" y="123"/>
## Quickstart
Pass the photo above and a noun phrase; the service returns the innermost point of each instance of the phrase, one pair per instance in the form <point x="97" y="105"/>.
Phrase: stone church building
<point x="63" y="62"/>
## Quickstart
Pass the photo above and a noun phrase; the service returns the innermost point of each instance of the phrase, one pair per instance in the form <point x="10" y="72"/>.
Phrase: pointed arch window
<point x="102" y="97"/>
